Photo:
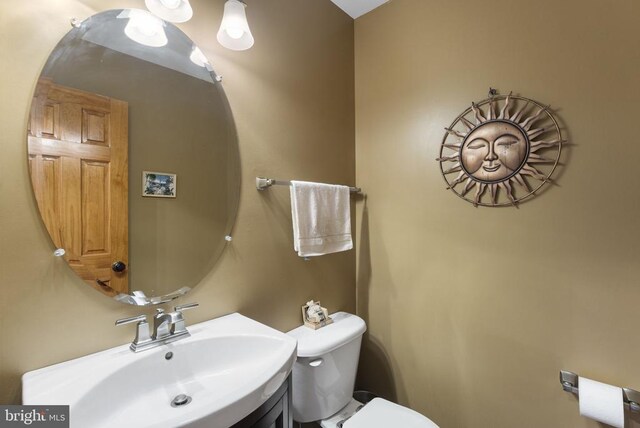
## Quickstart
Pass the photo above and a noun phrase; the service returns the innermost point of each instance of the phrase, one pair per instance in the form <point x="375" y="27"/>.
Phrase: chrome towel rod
<point x="569" y="381"/>
<point x="264" y="183"/>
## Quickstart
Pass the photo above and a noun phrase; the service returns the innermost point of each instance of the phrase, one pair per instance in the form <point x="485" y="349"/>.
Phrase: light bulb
<point x="198" y="58"/>
<point x="235" y="33"/>
<point x="171" y="4"/>
<point x="170" y="10"/>
<point x="144" y="28"/>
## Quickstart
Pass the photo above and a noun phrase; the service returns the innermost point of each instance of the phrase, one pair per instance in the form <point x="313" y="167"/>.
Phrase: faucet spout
<point x="164" y="323"/>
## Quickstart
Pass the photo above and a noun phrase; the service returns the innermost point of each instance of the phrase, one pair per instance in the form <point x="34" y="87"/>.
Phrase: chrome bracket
<point x="633" y="398"/>
<point x="263" y="183"/>
<point x="569" y="381"/>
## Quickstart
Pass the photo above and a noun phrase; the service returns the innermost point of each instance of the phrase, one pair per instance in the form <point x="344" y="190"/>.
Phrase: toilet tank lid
<point x="314" y="343"/>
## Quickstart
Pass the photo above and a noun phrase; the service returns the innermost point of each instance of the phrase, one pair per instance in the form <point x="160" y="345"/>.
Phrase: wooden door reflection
<point x="78" y="144"/>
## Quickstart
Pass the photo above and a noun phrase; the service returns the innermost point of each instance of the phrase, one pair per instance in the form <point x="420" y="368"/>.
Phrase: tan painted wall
<point x="472" y="312"/>
<point x="292" y="98"/>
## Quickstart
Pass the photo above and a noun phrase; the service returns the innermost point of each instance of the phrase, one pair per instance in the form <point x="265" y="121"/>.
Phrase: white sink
<point x="229" y="367"/>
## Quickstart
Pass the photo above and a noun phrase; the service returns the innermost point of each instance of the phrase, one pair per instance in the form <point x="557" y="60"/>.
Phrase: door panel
<point x="95" y="127"/>
<point x="51" y="120"/>
<point x="95" y="206"/>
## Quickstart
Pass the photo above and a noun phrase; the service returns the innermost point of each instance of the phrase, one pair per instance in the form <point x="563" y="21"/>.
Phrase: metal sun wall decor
<point x="492" y="147"/>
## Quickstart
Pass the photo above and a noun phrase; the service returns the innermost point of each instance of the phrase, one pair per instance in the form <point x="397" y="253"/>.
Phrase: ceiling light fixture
<point x="234" y="30"/>
<point x="144" y="28"/>
<point x="170" y="10"/>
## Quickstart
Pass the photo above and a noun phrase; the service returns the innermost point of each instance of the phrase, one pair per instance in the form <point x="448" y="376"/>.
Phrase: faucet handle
<point x="179" y="326"/>
<point x="185" y="307"/>
<point x="138" y="318"/>
<point x="142" y="331"/>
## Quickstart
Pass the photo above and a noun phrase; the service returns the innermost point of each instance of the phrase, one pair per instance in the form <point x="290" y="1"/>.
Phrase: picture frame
<point x="159" y="184"/>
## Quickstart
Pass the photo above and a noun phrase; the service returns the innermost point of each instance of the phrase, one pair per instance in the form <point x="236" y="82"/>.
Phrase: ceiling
<point x="356" y="8"/>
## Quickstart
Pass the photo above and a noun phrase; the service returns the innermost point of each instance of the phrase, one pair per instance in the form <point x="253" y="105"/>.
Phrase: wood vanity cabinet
<point x="276" y="412"/>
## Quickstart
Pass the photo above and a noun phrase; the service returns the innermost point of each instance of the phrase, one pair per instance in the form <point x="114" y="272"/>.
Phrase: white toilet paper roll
<point x="601" y="402"/>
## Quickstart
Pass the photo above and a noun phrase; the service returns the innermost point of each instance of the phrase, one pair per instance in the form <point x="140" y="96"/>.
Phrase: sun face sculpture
<point x="488" y="153"/>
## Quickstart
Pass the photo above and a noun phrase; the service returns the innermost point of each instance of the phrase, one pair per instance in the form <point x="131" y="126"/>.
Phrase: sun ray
<point x="456" y="133"/>
<point x="504" y="113"/>
<point x="494" y="193"/>
<point x="537" y="145"/>
<point x="528" y="122"/>
<point x="455" y="168"/>
<point x="453" y="146"/>
<point x="460" y="178"/>
<point x="468" y="185"/>
<point x="536" y="158"/>
<point x="506" y="186"/>
<point x="478" y="114"/>
<point x="468" y="124"/>
<point x="521" y="181"/>
<point x="454" y="157"/>
<point x="491" y="112"/>
<point x="537" y="132"/>
<point x="529" y="170"/>
<point x="479" y="191"/>
<point x="518" y="114"/>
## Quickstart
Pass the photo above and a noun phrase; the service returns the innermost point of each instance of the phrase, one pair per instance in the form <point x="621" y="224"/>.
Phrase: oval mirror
<point x="133" y="157"/>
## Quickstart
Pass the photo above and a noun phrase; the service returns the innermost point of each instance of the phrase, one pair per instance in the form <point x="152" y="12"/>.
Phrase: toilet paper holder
<point x="631" y="397"/>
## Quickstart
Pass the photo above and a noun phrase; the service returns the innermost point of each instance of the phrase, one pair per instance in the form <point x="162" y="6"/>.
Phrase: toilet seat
<point x="380" y="413"/>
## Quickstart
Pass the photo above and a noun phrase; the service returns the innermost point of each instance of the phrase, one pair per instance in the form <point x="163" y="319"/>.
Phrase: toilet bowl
<point x="324" y="376"/>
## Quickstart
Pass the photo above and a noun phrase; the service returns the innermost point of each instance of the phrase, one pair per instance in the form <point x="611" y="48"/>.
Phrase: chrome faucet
<point x="170" y="324"/>
<point x="167" y="327"/>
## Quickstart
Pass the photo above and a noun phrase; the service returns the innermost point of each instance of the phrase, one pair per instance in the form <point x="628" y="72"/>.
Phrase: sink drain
<point x="180" y="400"/>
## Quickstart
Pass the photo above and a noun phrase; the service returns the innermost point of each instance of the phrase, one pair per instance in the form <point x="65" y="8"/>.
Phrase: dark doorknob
<point x="118" y="267"/>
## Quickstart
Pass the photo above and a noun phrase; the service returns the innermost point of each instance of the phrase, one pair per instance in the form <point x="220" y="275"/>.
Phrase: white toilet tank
<point x="325" y="372"/>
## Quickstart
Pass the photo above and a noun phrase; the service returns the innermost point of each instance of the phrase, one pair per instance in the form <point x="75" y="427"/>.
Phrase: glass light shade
<point x="234" y="30"/>
<point x="170" y="10"/>
<point x="144" y="28"/>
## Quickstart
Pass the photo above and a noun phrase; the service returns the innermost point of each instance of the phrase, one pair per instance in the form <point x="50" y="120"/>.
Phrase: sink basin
<point x="228" y="367"/>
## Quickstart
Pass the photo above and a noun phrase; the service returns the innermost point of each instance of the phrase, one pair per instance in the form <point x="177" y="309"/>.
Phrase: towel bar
<point x="569" y="381"/>
<point x="264" y="183"/>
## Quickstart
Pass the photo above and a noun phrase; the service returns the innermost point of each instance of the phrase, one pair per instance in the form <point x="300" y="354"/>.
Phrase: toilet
<point x="324" y="376"/>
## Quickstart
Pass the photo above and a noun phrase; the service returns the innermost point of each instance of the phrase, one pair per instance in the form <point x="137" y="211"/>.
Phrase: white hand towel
<point x="321" y="218"/>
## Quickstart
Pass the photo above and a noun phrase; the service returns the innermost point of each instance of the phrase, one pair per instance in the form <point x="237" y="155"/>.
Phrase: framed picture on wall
<point x="159" y="184"/>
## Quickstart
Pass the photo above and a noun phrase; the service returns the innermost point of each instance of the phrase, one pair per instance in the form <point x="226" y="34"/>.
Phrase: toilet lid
<point x="379" y="413"/>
